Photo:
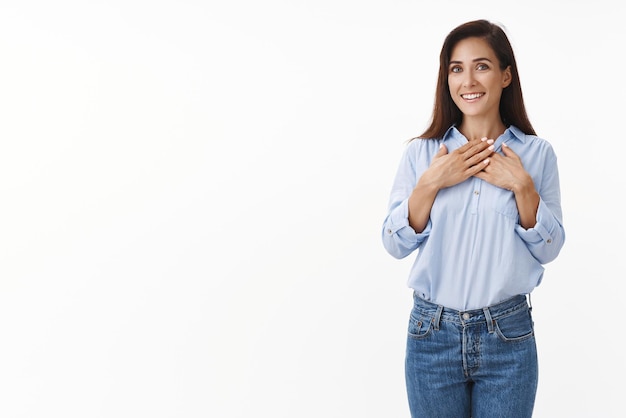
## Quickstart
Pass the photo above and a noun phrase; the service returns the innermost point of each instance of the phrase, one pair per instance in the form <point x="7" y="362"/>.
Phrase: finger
<point x="487" y="141"/>
<point x="479" y="168"/>
<point x="481" y="155"/>
<point x="471" y="143"/>
<point x="481" y="174"/>
<point x="443" y="150"/>
<point x="478" y="146"/>
<point x="508" y="151"/>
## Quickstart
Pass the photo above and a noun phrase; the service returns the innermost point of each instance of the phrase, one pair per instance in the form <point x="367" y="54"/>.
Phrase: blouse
<point x="473" y="252"/>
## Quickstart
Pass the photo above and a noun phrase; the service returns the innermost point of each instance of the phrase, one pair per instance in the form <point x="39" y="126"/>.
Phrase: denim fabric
<point x="480" y="363"/>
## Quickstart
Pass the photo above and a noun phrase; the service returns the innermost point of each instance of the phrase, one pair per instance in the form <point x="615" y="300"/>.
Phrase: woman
<point x="478" y="196"/>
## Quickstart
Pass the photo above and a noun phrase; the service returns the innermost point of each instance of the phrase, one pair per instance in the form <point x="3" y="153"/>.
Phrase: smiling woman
<point x="476" y="80"/>
<point x="477" y="196"/>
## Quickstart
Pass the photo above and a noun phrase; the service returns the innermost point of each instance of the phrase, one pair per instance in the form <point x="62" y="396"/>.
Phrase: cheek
<point x="453" y="88"/>
<point x="457" y="100"/>
<point x="452" y="85"/>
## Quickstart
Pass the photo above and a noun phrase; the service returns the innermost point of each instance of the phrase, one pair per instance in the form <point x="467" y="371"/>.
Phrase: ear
<point x="506" y="77"/>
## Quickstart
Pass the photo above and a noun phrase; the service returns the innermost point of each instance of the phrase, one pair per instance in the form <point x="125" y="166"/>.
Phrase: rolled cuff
<point x="400" y="239"/>
<point x="545" y="239"/>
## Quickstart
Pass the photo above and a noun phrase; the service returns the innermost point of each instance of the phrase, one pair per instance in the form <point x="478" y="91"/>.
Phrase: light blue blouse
<point x="473" y="252"/>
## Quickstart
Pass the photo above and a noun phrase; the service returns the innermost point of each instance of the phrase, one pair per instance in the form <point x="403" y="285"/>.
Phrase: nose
<point x="469" y="80"/>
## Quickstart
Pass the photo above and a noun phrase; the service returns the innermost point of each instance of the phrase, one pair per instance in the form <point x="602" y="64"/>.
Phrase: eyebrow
<point x="474" y="60"/>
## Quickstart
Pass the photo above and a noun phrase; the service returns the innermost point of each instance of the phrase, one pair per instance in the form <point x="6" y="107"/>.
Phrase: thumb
<point x="443" y="150"/>
<point x="508" y="151"/>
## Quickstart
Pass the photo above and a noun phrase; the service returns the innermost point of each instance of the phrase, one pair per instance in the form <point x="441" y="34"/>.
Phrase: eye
<point x="455" y="69"/>
<point x="482" y="66"/>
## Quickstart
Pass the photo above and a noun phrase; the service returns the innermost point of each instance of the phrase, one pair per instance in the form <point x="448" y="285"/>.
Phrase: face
<point x="475" y="79"/>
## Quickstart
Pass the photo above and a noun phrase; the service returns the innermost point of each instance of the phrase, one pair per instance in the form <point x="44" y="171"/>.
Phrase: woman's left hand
<point x="505" y="171"/>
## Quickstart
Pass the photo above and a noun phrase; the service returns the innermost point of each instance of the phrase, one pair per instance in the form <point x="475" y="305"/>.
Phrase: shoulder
<point x="418" y="154"/>
<point x="533" y="142"/>
<point x="421" y="150"/>
<point x="425" y="145"/>
<point x="536" y="153"/>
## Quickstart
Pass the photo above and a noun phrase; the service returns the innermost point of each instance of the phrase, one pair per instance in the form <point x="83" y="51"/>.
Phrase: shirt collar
<point x="517" y="133"/>
<point x="455" y="136"/>
<point x="512" y="132"/>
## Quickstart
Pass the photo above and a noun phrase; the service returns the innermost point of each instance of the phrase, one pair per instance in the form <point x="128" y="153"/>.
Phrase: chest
<point x="473" y="198"/>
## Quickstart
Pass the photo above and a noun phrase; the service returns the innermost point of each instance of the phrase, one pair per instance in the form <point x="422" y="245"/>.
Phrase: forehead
<point x="469" y="49"/>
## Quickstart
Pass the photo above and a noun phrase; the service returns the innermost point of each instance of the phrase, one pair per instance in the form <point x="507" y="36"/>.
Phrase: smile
<point x="472" y="96"/>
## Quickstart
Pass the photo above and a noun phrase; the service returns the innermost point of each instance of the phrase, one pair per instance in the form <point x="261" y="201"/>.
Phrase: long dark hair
<point x="445" y="111"/>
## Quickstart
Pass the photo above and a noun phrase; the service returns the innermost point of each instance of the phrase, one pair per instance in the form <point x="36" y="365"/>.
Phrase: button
<point x="466" y="316"/>
<point x="389" y="231"/>
<point x="549" y="241"/>
<point x="476" y="192"/>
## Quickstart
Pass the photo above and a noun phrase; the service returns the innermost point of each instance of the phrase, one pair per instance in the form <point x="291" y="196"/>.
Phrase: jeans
<point x="480" y="363"/>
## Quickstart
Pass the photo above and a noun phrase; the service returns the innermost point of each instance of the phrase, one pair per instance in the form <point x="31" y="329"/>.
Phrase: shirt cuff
<point x="399" y="224"/>
<point x="539" y="232"/>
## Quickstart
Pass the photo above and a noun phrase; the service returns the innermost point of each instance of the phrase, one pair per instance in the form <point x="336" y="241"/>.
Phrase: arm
<point x="540" y="225"/>
<point x="399" y="239"/>
<point x="546" y="238"/>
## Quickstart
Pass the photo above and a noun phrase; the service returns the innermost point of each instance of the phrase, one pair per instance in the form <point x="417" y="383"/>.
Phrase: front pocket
<point x="517" y="326"/>
<point x="419" y="325"/>
<point x="505" y="204"/>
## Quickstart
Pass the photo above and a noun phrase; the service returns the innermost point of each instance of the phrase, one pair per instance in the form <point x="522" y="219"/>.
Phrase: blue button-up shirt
<point x="473" y="252"/>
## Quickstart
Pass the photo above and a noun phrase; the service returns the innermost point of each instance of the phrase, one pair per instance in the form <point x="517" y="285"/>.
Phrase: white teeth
<point x="471" y="96"/>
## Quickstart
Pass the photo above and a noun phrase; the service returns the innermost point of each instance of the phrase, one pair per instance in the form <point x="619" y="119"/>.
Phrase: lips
<point x="472" y="96"/>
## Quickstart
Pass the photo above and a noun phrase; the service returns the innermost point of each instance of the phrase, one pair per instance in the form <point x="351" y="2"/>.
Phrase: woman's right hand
<point x="448" y="169"/>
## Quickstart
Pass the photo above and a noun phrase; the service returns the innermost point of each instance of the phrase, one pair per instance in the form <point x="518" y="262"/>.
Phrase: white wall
<point x="192" y="193"/>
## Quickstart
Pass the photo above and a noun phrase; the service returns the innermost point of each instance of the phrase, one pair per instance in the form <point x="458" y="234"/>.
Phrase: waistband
<point x="487" y="314"/>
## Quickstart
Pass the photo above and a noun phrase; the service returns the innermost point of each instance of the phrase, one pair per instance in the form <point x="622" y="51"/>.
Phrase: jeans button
<point x="466" y="316"/>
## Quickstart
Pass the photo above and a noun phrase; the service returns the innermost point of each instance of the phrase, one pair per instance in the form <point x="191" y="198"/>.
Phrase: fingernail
<point x="483" y="138"/>
<point x="491" y="147"/>
<point x="486" y="161"/>
<point x="490" y="141"/>
<point x="504" y="145"/>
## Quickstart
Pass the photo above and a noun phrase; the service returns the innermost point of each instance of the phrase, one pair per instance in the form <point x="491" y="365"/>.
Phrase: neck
<point x="475" y="129"/>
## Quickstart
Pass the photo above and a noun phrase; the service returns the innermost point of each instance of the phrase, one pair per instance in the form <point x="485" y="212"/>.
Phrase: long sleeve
<point x="545" y="240"/>
<point x="398" y="237"/>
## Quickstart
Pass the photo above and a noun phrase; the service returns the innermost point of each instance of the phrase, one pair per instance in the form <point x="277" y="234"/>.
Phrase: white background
<point x="192" y="194"/>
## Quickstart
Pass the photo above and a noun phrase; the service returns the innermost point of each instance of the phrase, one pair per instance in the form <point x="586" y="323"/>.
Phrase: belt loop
<point x="437" y="317"/>
<point x="530" y="303"/>
<point x="489" y="320"/>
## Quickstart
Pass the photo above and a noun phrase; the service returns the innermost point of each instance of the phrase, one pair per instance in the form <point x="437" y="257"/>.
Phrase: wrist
<point x="425" y="188"/>
<point x="525" y="187"/>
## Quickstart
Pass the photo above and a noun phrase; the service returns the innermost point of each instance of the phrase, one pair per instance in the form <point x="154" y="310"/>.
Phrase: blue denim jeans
<point x="480" y="363"/>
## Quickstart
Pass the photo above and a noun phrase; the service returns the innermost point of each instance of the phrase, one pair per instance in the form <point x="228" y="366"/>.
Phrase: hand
<point x="448" y="169"/>
<point x="505" y="171"/>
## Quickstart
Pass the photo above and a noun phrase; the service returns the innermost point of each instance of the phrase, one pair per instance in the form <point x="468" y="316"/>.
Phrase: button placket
<point x="476" y="194"/>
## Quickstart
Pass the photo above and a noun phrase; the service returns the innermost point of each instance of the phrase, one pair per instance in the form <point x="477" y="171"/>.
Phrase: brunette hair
<point x="445" y="111"/>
